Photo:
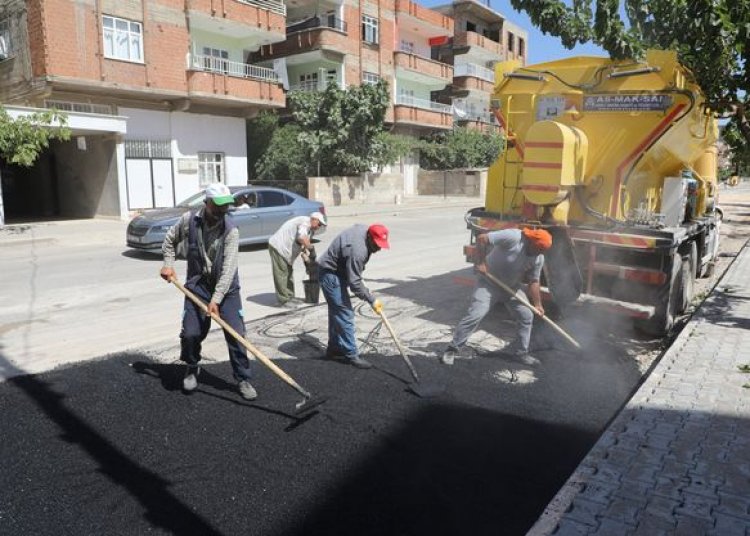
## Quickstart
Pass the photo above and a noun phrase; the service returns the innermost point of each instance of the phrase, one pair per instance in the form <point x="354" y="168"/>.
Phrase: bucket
<point x="312" y="291"/>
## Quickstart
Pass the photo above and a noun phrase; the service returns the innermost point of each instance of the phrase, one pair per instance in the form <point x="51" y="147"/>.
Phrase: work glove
<point x="377" y="306"/>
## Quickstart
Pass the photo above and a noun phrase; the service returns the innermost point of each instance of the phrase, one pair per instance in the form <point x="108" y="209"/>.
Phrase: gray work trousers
<point x="484" y="297"/>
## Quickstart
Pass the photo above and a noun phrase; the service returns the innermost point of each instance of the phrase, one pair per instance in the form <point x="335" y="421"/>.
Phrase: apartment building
<point x="351" y="42"/>
<point x="157" y="93"/>
<point x="482" y="38"/>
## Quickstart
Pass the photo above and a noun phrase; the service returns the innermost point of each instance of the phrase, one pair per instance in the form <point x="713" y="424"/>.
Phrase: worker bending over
<point x="341" y="267"/>
<point x="285" y="245"/>
<point x="212" y="256"/>
<point x="516" y="258"/>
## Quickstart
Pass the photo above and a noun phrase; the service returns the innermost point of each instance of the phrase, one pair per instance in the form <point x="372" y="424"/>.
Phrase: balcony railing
<point x="200" y="62"/>
<point x="484" y="117"/>
<point x="477" y="71"/>
<point x="313" y="85"/>
<point x="317" y="22"/>
<point x="424" y="104"/>
<point x="273" y="6"/>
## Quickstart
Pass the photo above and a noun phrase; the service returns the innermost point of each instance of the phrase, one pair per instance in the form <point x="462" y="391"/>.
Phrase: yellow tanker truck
<point x="617" y="159"/>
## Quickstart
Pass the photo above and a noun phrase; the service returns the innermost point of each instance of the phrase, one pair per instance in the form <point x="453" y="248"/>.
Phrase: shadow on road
<point x="162" y="508"/>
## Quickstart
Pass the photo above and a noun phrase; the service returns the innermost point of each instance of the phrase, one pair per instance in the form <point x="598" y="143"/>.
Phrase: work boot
<point x="247" y="391"/>
<point x="526" y="358"/>
<point x="190" y="381"/>
<point x="360" y="362"/>
<point x="449" y="356"/>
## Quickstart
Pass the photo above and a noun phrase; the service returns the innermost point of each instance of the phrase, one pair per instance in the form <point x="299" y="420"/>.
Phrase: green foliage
<point x="23" y="139"/>
<point x="389" y="148"/>
<point x="460" y="148"/>
<point x="260" y="131"/>
<point x="340" y="128"/>
<point x="740" y="151"/>
<point x="284" y="158"/>
<point x="711" y="37"/>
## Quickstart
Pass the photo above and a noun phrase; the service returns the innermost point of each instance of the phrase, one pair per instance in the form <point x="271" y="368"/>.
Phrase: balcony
<point x="429" y="20"/>
<point x="240" y="19"/>
<point x="317" y="33"/>
<point x="484" y="121"/>
<point x="316" y="22"/>
<point x="312" y="85"/>
<point x="468" y="77"/>
<point x="422" y="112"/>
<point x="421" y="69"/>
<point x="211" y="78"/>
<point x="485" y="46"/>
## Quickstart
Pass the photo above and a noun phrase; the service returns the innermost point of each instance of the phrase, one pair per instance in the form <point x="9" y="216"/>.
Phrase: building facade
<point x="157" y="93"/>
<point x="482" y="38"/>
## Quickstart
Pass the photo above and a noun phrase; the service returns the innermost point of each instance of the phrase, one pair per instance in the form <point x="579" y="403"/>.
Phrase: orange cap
<point x="541" y="239"/>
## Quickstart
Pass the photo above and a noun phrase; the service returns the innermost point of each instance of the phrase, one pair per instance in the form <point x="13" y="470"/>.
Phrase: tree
<point x="340" y="128"/>
<point x="460" y="148"/>
<point x="711" y="37"/>
<point x="283" y="159"/>
<point x="260" y="131"/>
<point x="23" y="139"/>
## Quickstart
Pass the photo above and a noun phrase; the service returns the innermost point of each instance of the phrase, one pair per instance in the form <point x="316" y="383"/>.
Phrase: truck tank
<point x="618" y="160"/>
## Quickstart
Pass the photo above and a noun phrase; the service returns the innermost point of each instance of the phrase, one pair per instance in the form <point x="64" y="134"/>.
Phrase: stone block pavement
<point x="676" y="459"/>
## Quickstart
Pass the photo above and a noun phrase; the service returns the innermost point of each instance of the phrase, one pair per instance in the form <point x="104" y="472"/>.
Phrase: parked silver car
<point x="258" y="212"/>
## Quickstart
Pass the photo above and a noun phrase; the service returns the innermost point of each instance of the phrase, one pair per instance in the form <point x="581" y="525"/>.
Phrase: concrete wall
<point x="468" y="182"/>
<point x="368" y="188"/>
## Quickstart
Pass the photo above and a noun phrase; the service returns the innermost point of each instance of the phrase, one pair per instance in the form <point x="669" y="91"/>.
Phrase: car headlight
<point x="160" y="228"/>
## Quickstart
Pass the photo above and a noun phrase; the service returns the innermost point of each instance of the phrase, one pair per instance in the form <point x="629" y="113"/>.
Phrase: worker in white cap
<point x="292" y="238"/>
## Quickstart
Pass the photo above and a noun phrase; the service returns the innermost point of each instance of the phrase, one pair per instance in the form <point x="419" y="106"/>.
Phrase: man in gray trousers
<point x="516" y="258"/>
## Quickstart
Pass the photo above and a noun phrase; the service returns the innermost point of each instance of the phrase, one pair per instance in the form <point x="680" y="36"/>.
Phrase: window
<point x="370" y="29"/>
<point x="308" y="82"/>
<point x="470" y="26"/>
<point x="521" y="47"/>
<point x="122" y="39"/>
<point x="370" y="78"/>
<point x="407" y="46"/>
<point x="215" y="59"/>
<point x="270" y="198"/>
<point x="210" y="168"/>
<point x="6" y="44"/>
<point x="511" y="43"/>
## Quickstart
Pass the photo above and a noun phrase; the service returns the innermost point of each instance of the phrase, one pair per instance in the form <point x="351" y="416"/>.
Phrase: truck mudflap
<point x="561" y="268"/>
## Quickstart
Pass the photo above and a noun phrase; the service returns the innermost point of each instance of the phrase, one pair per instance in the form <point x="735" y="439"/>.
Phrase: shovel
<point x="525" y="302"/>
<point x="306" y="404"/>
<point x="420" y="389"/>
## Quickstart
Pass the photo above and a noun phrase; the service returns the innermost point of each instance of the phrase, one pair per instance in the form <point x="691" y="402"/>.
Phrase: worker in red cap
<point x="515" y="257"/>
<point x="341" y="267"/>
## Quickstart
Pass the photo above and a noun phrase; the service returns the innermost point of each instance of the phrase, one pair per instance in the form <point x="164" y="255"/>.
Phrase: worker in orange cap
<point x="516" y="258"/>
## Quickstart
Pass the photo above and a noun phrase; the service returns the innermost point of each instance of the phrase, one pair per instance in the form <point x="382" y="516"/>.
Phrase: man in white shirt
<point x="285" y="246"/>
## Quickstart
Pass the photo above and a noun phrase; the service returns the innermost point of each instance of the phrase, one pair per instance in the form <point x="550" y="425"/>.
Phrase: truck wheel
<point x="667" y="304"/>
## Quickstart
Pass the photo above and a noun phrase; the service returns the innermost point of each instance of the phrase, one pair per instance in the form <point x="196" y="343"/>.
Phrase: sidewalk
<point x="676" y="460"/>
<point x="105" y="230"/>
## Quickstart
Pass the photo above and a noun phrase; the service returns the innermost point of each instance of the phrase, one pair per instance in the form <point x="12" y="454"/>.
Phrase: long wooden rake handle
<point x="401" y="349"/>
<point x="525" y="302"/>
<point x="242" y="340"/>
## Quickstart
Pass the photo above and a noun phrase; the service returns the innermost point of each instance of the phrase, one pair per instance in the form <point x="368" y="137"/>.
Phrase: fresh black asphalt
<point x="114" y="447"/>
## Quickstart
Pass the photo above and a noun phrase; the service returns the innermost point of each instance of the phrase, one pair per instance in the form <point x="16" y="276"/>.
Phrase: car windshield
<point x="194" y="200"/>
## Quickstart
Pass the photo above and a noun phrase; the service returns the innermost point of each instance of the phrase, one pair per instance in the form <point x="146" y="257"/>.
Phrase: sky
<point x="541" y="47"/>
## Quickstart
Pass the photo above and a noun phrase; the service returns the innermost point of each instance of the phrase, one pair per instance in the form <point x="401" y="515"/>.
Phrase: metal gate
<point x="149" y="172"/>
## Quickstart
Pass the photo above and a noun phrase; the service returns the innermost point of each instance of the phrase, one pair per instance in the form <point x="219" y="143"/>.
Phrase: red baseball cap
<point x="379" y="235"/>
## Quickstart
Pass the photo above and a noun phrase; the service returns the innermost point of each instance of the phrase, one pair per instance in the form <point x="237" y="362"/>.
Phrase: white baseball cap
<point x="219" y="193"/>
<point x="319" y="216"/>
